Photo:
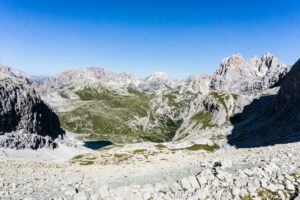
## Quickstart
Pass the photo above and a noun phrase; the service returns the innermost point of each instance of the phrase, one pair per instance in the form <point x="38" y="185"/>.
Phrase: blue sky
<point x="143" y="36"/>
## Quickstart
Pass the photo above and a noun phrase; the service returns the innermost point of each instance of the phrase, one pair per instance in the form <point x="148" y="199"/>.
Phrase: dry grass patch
<point x="139" y="151"/>
<point x="86" y="162"/>
<point x="206" y="147"/>
<point x="160" y="146"/>
<point x="296" y="174"/>
<point x="78" y="157"/>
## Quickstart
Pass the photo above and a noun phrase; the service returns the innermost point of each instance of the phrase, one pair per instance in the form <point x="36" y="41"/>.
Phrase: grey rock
<point x="70" y="192"/>
<point x="81" y="196"/>
<point x="290" y="178"/>
<point x="272" y="187"/>
<point x="95" y="196"/>
<point x="290" y="186"/>
<point x="215" y="184"/>
<point x="193" y="181"/>
<point x="264" y="183"/>
<point x="25" y="120"/>
<point x="236" y="74"/>
<point x="148" y="191"/>
<point x="281" y="195"/>
<point x="226" y="163"/>
<point x="104" y="191"/>
<point x="218" y="194"/>
<point x="202" y="181"/>
<point x="248" y="172"/>
<point x="236" y="192"/>
<point x="202" y="194"/>
<point x="185" y="184"/>
<point x="297" y="198"/>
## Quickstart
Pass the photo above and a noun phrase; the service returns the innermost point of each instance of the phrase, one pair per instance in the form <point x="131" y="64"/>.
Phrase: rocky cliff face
<point x="25" y="120"/>
<point x="236" y="74"/>
<point x="289" y="93"/>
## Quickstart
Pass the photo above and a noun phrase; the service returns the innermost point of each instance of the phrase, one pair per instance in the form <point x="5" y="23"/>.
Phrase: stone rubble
<point x="255" y="174"/>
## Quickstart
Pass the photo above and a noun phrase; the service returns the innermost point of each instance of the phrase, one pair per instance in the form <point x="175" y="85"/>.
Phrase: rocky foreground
<point x="149" y="171"/>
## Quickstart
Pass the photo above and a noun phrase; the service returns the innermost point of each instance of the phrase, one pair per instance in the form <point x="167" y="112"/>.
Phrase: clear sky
<point x="144" y="36"/>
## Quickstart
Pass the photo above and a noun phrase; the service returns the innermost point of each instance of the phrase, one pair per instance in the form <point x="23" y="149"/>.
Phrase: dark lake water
<point x="97" y="144"/>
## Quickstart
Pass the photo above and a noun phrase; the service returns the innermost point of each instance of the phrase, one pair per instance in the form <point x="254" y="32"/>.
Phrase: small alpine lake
<point x="97" y="144"/>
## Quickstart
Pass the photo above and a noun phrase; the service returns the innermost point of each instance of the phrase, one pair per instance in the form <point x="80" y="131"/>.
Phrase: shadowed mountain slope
<point x="271" y="119"/>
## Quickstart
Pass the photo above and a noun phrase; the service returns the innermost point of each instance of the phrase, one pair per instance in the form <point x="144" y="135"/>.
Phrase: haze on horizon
<point x="176" y="37"/>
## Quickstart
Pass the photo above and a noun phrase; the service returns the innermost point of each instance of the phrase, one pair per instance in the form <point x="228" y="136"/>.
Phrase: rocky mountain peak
<point x="156" y="80"/>
<point x="234" y="62"/>
<point x="100" y="74"/>
<point x="268" y="61"/>
<point x="158" y="76"/>
<point x="95" y="73"/>
<point x="267" y="58"/>
<point x="20" y="75"/>
<point x="236" y="74"/>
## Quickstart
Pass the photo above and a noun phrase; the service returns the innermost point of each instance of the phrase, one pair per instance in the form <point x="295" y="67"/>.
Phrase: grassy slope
<point x="204" y="118"/>
<point x="106" y="116"/>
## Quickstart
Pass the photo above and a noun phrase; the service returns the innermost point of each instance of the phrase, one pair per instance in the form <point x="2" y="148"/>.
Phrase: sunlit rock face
<point x="236" y="74"/>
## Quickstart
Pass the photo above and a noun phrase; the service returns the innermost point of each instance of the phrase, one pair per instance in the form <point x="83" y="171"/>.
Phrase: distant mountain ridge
<point x="234" y="74"/>
<point x="92" y="76"/>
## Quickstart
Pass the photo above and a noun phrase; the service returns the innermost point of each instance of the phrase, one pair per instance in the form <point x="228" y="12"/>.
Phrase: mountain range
<point x="100" y="105"/>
